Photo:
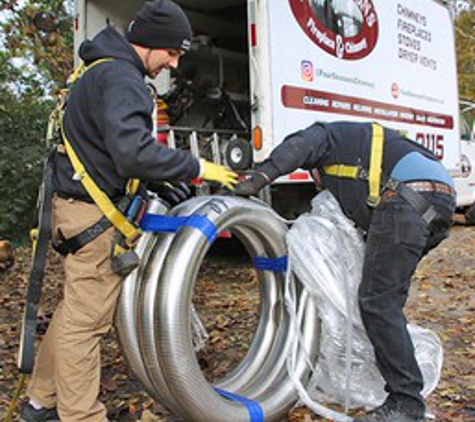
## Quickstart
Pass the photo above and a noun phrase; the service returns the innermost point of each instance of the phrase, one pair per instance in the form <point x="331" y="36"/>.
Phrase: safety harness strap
<point x="426" y="210"/>
<point x="82" y="69"/>
<point x="103" y="202"/>
<point x="73" y="244"/>
<point x="100" y="198"/>
<point x="357" y="172"/>
<point x="375" y="166"/>
<point x="342" y="170"/>
<point x="41" y="239"/>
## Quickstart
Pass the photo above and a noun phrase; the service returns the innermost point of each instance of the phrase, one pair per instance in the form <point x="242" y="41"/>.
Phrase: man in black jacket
<point x="108" y="122"/>
<point x="403" y="198"/>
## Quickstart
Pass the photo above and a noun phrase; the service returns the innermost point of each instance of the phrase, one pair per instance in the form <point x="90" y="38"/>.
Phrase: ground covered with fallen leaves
<point x="227" y="298"/>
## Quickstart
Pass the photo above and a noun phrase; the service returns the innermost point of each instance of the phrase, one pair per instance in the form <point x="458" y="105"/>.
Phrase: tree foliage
<point x="465" y="42"/>
<point x="32" y="65"/>
<point x="22" y="121"/>
<point x="49" y="53"/>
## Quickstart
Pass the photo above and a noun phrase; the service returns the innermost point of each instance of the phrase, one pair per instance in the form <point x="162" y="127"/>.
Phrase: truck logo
<point x="307" y="70"/>
<point x="347" y="29"/>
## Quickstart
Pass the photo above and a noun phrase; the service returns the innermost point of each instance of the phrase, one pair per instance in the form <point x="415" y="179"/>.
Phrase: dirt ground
<point x="227" y="298"/>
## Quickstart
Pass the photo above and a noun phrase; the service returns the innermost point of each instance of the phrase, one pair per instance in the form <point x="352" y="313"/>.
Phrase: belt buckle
<point x="388" y="193"/>
<point x="372" y="201"/>
<point x="436" y="187"/>
<point x="362" y="174"/>
<point x="132" y="241"/>
<point x="392" y="185"/>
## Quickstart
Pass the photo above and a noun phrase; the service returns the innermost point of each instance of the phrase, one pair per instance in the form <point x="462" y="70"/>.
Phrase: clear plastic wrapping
<point x="326" y="254"/>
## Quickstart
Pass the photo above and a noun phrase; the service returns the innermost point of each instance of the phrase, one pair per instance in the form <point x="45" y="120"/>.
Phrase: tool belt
<point x="422" y="186"/>
<point x="411" y="193"/>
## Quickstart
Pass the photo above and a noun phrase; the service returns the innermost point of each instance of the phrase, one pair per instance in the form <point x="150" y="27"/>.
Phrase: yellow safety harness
<point x="41" y="236"/>
<point x="130" y="232"/>
<point x="357" y="172"/>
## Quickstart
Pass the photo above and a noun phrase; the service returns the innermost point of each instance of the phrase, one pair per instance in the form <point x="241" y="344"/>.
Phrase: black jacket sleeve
<point x="126" y="126"/>
<point x="303" y="149"/>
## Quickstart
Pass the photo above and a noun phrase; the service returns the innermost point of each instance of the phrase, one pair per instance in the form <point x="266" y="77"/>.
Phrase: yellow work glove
<point x="216" y="173"/>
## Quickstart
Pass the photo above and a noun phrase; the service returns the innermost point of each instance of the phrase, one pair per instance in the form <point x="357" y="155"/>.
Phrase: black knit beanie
<point x="160" y="24"/>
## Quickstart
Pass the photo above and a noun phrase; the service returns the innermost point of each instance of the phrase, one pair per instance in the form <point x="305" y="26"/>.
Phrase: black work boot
<point x="30" y="414"/>
<point x="388" y="413"/>
<point x="396" y="408"/>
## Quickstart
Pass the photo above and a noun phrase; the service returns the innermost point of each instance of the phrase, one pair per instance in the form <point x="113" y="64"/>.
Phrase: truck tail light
<point x="257" y="138"/>
<point x="253" y="34"/>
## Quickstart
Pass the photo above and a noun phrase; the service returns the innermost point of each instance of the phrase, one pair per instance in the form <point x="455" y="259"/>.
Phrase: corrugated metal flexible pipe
<point x="153" y="317"/>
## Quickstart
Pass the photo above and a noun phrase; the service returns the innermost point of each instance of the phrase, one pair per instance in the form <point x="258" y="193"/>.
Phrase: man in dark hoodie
<point x="355" y="161"/>
<point x="108" y="120"/>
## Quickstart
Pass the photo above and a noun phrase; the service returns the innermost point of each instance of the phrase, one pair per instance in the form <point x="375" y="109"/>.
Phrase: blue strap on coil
<point x="170" y="224"/>
<point x="271" y="264"/>
<point x="256" y="414"/>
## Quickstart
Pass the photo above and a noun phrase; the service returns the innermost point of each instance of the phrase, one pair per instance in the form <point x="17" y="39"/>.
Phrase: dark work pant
<point x="397" y="240"/>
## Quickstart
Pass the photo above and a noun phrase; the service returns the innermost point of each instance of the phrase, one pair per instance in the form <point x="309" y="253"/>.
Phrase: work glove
<point x="254" y="182"/>
<point x="216" y="173"/>
<point x="172" y="192"/>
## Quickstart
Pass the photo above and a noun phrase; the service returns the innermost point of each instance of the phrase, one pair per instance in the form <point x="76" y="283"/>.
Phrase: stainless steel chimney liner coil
<point x="153" y="317"/>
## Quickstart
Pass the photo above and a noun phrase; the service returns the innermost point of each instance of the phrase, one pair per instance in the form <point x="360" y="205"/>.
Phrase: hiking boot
<point x="30" y="414"/>
<point x="386" y="413"/>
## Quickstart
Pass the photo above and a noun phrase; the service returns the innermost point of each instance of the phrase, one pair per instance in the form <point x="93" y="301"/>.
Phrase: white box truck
<point x="261" y="69"/>
<point x="465" y="181"/>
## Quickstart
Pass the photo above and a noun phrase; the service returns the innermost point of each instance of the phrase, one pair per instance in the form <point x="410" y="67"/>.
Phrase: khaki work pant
<point x="67" y="369"/>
